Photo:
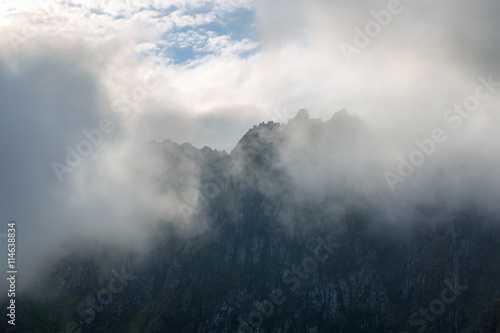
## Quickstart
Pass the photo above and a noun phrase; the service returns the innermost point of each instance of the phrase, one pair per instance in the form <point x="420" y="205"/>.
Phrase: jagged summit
<point x="341" y="114"/>
<point x="343" y="121"/>
<point x="341" y="125"/>
<point x="302" y="114"/>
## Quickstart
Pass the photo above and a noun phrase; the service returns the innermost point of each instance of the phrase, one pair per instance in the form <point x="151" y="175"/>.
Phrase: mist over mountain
<point x="295" y="230"/>
<point x="250" y="166"/>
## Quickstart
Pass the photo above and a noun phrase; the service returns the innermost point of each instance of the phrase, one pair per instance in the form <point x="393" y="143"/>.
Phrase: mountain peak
<point x="343" y="118"/>
<point x="302" y="114"/>
<point x="342" y="113"/>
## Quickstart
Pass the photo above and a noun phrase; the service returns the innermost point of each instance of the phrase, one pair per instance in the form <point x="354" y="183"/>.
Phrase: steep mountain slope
<point x="255" y="249"/>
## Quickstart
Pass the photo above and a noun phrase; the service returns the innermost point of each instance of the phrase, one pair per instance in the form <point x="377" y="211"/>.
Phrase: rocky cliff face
<point x="271" y="257"/>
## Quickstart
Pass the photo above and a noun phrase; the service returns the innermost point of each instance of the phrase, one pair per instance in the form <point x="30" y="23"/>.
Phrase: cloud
<point x="60" y="79"/>
<point x="427" y="60"/>
<point x="189" y="71"/>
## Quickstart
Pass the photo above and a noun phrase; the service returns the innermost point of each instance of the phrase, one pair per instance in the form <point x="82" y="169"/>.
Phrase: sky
<point x="119" y="74"/>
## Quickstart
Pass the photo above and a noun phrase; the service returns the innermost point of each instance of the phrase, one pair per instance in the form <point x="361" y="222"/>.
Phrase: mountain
<point x="276" y="238"/>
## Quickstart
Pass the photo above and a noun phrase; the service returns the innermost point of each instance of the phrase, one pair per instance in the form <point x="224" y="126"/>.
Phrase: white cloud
<point x="99" y="54"/>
